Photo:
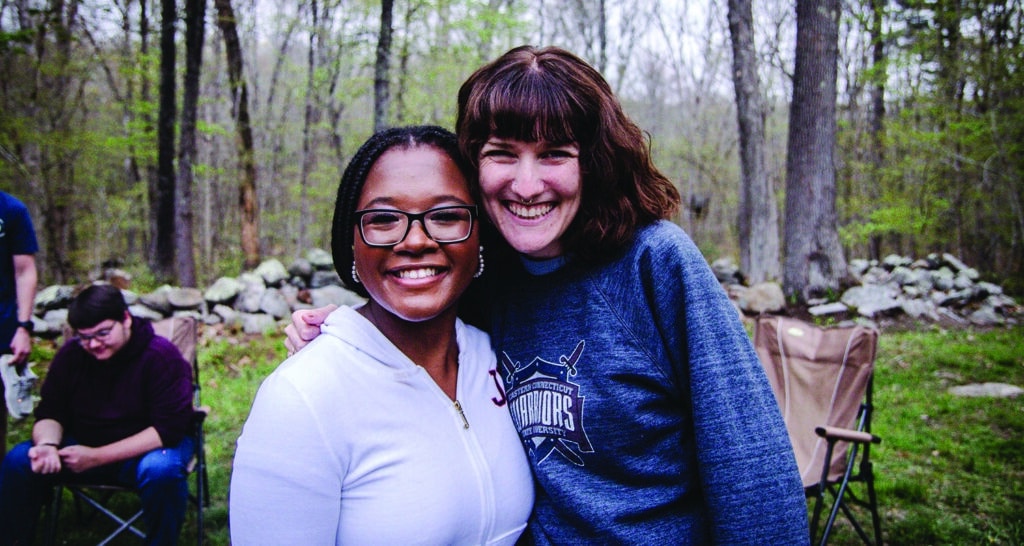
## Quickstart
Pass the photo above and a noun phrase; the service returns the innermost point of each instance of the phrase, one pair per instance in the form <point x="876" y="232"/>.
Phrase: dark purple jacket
<point x="146" y="383"/>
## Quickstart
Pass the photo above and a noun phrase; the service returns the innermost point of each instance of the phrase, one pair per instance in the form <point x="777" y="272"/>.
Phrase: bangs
<point x="532" y="108"/>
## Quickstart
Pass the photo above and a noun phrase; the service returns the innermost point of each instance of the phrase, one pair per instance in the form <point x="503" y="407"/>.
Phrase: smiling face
<point x="416" y="279"/>
<point x="531" y="191"/>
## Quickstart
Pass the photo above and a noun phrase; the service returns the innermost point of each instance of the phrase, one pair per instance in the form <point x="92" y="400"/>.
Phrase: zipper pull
<point x="462" y="414"/>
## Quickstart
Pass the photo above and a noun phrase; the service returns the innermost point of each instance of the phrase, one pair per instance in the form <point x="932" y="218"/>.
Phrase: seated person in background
<point x="116" y="408"/>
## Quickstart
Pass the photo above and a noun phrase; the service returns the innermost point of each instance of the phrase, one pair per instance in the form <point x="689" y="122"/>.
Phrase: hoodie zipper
<point x="465" y="422"/>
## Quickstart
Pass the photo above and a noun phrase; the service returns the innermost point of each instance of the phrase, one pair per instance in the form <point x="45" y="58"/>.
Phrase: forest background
<point x="183" y="143"/>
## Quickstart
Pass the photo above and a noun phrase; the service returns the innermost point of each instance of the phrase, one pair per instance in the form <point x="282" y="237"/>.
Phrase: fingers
<point x="316" y="317"/>
<point x="21" y="346"/>
<point x="75" y="458"/>
<point x="305" y="326"/>
<point x="289" y="332"/>
<point x="44" y="460"/>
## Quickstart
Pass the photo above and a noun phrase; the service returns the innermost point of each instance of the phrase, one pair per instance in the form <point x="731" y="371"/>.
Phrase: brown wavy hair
<point x="549" y="94"/>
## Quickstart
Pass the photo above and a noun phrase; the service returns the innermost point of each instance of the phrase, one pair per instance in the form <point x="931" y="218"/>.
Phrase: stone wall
<point x="939" y="288"/>
<point x="255" y="301"/>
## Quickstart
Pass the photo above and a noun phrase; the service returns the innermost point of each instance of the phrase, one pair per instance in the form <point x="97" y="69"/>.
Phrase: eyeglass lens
<point x="101" y="334"/>
<point x="390" y="227"/>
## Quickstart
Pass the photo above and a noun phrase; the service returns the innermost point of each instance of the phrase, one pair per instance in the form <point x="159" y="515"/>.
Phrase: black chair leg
<point x="52" y="515"/>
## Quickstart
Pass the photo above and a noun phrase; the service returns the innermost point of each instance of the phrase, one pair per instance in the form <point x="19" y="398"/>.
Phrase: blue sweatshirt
<point x="642" y="405"/>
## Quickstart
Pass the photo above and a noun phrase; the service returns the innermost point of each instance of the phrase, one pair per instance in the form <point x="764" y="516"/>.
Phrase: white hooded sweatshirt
<point x="350" y="442"/>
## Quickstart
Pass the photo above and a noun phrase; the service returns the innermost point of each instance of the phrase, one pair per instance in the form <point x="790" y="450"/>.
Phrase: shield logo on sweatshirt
<point x="546" y="407"/>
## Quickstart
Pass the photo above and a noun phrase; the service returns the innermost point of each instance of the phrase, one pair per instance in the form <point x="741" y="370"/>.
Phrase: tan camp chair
<point x="183" y="332"/>
<point x="822" y="378"/>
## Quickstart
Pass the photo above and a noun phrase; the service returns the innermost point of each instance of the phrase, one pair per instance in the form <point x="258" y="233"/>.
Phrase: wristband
<point x="28" y="325"/>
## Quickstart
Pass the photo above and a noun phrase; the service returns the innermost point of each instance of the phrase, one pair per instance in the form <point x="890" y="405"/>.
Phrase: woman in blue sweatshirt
<point x="636" y="391"/>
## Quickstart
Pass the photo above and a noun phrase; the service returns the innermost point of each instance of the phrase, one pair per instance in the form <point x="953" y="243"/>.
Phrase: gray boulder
<point x="985" y="316"/>
<point x="53" y="322"/>
<point x="324" y="278"/>
<point x="918" y="308"/>
<point x="249" y="298"/>
<point x="53" y="297"/>
<point x="157" y="300"/>
<point x="766" y="297"/>
<point x="300" y="268"/>
<point x="274" y="304"/>
<point x="257" y="323"/>
<point x="333" y="294"/>
<point x="146" y="312"/>
<point x="223" y="290"/>
<point x="993" y="390"/>
<point x="226" y="314"/>
<point x="828" y="309"/>
<point x="726" y="271"/>
<point x="272" y="271"/>
<point x="320" y="259"/>
<point x="942" y="278"/>
<point x="185" y="298"/>
<point x="872" y="300"/>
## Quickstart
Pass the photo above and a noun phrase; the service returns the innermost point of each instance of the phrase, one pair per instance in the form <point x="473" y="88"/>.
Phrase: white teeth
<point x="418" y="273"/>
<point x="530" y="212"/>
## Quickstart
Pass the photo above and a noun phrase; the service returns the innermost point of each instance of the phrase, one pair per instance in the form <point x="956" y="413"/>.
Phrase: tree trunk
<point x="381" y="82"/>
<point x="307" y="131"/>
<point x="135" y="235"/>
<point x="162" y="258"/>
<point x="146" y="97"/>
<point x="247" y="201"/>
<point x="876" y="114"/>
<point x="758" y="213"/>
<point x="54" y="165"/>
<point x="814" y="262"/>
<point x="195" y="18"/>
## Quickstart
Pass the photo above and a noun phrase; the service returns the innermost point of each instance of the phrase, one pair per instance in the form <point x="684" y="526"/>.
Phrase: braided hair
<point x="354" y="178"/>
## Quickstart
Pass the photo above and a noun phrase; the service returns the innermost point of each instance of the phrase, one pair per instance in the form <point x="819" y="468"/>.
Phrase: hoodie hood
<point x="345" y="324"/>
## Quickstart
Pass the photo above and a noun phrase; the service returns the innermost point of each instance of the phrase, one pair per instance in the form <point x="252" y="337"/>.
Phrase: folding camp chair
<point x="822" y="379"/>
<point x="183" y="332"/>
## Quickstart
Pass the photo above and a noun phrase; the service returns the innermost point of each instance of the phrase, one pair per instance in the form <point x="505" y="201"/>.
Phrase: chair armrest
<point x="200" y="413"/>
<point x="848" y="435"/>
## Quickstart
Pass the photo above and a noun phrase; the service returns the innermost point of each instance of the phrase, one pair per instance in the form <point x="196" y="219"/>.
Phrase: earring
<point x="355" y="276"/>
<point x="480" y="270"/>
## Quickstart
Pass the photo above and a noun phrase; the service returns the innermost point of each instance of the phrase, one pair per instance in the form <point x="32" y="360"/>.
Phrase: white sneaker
<point x="17" y="387"/>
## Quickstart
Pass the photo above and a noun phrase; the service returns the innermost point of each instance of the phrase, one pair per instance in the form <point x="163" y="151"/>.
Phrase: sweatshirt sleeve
<point x="169" y="382"/>
<point x="55" y="390"/>
<point x="285" y="487"/>
<point x="751" y="486"/>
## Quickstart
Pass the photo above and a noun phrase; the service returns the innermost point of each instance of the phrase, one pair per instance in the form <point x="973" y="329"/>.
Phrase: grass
<point x="949" y="470"/>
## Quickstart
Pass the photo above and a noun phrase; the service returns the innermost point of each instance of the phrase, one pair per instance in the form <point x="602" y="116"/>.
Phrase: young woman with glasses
<point x="645" y="414"/>
<point x="390" y="428"/>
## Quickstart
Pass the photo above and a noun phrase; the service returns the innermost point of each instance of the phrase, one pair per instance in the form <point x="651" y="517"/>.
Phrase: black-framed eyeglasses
<point x="388" y="227"/>
<point x="99" y="335"/>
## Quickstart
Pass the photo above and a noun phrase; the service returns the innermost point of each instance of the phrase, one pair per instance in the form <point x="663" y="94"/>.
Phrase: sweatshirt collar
<point x="347" y="325"/>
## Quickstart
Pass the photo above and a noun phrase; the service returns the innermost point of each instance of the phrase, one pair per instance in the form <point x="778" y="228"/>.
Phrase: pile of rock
<point x="255" y="301"/>
<point x="939" y="288"/>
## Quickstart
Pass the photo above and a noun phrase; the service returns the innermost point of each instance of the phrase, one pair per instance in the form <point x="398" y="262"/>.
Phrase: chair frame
<point x="854" y="438"/>
<point x="859" y="439"/>
<point x="97" y="495"/>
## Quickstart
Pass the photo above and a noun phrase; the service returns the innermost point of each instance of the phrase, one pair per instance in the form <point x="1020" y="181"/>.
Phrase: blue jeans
<point x="160" y="477"/>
